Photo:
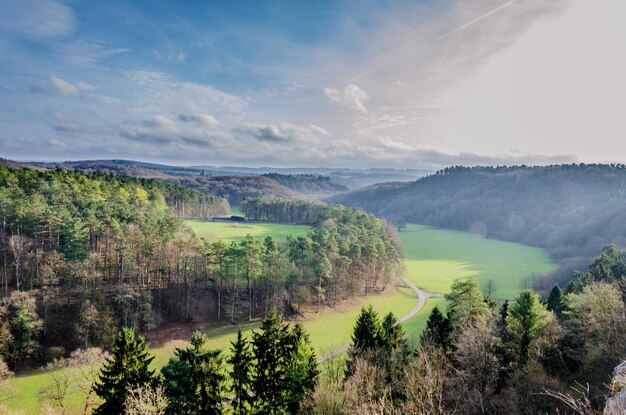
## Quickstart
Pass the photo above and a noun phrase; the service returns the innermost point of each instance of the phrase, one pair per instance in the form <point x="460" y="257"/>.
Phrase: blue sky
<point x="284" y="83"/>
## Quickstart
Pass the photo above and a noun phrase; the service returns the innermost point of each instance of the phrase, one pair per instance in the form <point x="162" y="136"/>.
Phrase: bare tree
<point x="18" y="245"/>
<point x="56" y="392"/>
<point x="146" y="400"/>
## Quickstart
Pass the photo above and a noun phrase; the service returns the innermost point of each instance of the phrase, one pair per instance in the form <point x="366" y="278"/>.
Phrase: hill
<point x="571" y="210"/>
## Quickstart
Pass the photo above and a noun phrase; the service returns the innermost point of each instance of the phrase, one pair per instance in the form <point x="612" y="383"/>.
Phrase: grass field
<point x="434" y="258"/>
<point x="231" y="231"/>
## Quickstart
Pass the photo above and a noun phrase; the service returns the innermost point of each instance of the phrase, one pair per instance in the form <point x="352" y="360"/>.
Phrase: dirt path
<point x="421" y="301"/>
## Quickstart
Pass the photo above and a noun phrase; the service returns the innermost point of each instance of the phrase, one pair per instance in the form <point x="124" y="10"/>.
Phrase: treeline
<point x="307" y="183"/>
<point x="271" y="373"/>
<point x="523" y="357"/>
<point x="571" y="210"/>
<point x="299" y="212"/>
<point x="84" y="254"/>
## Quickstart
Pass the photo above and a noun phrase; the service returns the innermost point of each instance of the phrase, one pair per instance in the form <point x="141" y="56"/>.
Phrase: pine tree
<point x="126" y="369"/>
<point x="438" y="330"/>
<point x="391" y="333"/>
<point x="366" y="333"/>
<point x="194" y="379"/>
<point x="466" y="302"/>
<point x="556" y="302"/>
<point x="241" y="361"/>
<point x="270" y="350"/>
<point x="301" y="369"/>
<point x="526" y="322"/>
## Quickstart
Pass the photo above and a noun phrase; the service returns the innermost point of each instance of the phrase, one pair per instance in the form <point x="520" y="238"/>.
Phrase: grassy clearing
<point x="230" y="231"/>
<point x="435" y="257"/>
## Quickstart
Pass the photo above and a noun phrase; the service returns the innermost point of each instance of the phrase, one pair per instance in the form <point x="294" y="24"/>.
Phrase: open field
<point x="233" y="231"/>
<point x="435" y="257"/>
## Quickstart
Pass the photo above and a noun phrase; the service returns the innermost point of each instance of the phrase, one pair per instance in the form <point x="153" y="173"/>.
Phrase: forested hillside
<point x="82" y="254"/>
<point x="571" y="210"/>
<point x="234" y="187"/>
<point x="307" y="183"/>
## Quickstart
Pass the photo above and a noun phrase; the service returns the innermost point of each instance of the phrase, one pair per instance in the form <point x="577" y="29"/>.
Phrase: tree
<point x="466" y="302"/>
<point x="391" y="333"/>
<point x="477" y="365"/>
<point x="527" y="319"/>
<point x="146" y="400"/>
<point x="194" y="379"/>
<point x="126" y="369"/>
<point x="556" y="301"/>
<point x="438" y="330"/>
<point x="241" y="362"/>
<point x="286" y="367"/>
<point x="366" y="332"/>
<point x="598" y="316"/>
<point x="301" y="369"/>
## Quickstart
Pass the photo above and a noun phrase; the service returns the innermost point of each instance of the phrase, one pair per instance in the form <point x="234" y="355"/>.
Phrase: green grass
<point x="435" y="257"/>
<point x="232" y="231"/>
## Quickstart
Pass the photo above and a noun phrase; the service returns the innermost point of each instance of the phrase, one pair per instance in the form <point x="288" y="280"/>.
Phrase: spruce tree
<point x="194" y="379"/>
<point x="127" y="368"/>
<point x="438" y="330"/>
<point x="526" y="322"/>
<point x="302" y="369"/>
<point x="270" y="351"/>
<point x="366" y="333"/>
<point x="241" y="361"/>
<point x="391" y="333"/>
<point x="555" y="301"/>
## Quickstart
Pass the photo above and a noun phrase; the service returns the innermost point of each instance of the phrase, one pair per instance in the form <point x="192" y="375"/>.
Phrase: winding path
<point x="421" y="301"/>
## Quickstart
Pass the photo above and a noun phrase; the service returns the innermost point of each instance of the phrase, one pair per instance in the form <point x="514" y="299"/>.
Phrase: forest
<point x="83" y="254"/>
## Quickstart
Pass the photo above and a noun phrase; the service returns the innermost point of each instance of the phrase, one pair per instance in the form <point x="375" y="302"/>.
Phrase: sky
<point x="360" y="83"/>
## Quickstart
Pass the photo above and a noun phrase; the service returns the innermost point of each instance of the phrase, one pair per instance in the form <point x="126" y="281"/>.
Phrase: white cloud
<point x="352" y="97"/>
<point x="181" y="56"/>
<point x="68" y="88"/>
<point x="204" y="120"/>
<point x="37" y="18"/>
<point x="285" y="133"/>
<point x="162" y="94"/>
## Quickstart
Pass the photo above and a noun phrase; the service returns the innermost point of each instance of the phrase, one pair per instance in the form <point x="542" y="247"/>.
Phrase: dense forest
<point x="571" y="210"/>
<point x="82" y="254"/>
<point x="524" y="357"/>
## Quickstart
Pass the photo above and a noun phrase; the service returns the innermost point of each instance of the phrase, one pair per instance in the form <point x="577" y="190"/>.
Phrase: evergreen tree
<point x="241" y="361"/>
<point x="556" y="302"/>
<point x="126" y="369"/>
<point x="366" y="333"/>
<point x="391" y="333"/>
<point x="194" y="380"/>
<point x="466" y="302"/>
<point x="270" y="378"/>
<point x="438" y="330"/>
<point x="302" y="369"/>
<point x="526" y="322"/>
<point x="286" y="367"/>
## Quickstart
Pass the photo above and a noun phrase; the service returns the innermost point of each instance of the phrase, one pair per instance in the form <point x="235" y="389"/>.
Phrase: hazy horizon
<point x="365" y="84"/>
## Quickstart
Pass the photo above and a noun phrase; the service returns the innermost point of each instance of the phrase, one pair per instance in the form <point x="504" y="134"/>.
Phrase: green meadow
<point x="434" y="258"/>
<point x="236" y="231"/>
